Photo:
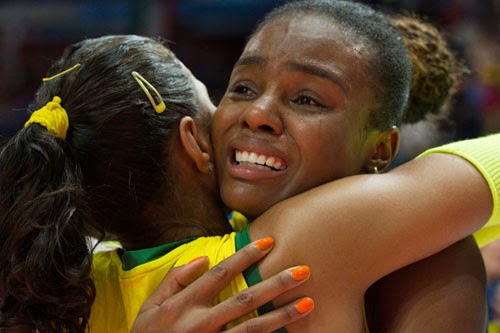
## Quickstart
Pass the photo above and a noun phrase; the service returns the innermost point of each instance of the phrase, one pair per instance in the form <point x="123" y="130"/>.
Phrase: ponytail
<point x="45" y="259"/>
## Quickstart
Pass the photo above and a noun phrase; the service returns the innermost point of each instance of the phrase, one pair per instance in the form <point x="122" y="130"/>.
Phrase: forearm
<point x="443" y="197"/>
<point x="483" y="153"/>
<point x="384" y="222"/>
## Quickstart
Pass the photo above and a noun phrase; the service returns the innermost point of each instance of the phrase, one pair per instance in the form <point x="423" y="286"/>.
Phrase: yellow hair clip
<point x="160" y="106"/>
<point x="53" y="117"/>
<point x="45" y="79"/>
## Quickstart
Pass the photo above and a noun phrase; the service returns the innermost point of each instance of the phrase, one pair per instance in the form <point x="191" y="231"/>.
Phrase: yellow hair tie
<point x="53" y="117"/>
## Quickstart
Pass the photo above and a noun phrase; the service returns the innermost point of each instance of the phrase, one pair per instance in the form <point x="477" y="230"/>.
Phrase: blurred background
<point x="208" y="35"/>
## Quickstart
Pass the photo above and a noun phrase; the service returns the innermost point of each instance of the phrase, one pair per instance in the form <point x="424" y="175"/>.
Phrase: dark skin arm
<point x="414" y="298"/>
<point x="375" y="226"/>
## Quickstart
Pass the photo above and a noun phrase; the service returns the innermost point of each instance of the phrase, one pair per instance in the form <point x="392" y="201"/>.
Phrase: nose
<point x="263" y="116"/>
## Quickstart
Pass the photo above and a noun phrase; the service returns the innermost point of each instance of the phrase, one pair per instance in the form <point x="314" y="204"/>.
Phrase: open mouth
<point x="259" y="160"/>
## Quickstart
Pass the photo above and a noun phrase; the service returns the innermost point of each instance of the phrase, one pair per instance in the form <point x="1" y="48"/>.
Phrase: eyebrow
<point x="308" y="69"/>
<point x="250" y="60"/>
<point x="313" y="70"/>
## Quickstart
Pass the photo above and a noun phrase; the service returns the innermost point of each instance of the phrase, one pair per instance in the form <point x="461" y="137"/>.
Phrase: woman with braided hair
<point x="313" y="98"/>
<point x="261" y="106"/>
<point x="396" y="302"/>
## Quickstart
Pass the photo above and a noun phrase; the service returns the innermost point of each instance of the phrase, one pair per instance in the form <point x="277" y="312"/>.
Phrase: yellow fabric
<point x="53" y="117"/>
<point x="484" y="154"/>
<point x="238" y="221"/>
<point x="493" y="327"/>
<point x="120" y="293"/>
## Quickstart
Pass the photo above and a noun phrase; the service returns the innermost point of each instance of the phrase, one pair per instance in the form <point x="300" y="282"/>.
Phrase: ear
<point x="195" y="144"/>
<point x="385" y="150"/>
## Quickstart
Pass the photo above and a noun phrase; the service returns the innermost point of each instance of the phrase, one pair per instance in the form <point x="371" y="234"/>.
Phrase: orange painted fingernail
<point x="300" y="273"/>
<point x="264" y="243"/>
<point x="304" y="305"/>
<point x="196" y="259"/>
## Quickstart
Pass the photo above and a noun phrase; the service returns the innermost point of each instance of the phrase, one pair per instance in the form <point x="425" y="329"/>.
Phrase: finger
<point x="176" y="280"/>
<point x="216" y="279"/>
<point x="258" y="295"/>
<point x="189" y="273"/>
<point x="276" y="319"/>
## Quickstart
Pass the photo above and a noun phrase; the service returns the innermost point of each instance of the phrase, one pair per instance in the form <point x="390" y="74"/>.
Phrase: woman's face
<point x="294" y="115"/>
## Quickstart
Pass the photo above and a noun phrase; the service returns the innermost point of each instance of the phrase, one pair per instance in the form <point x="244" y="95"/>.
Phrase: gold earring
<point x="160" y="106"/>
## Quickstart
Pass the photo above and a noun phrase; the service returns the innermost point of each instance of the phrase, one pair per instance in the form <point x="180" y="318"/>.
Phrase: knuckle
<point x="245" y="298"/>
<point x="219" y="272"/>
<point x="249" y="251"/>
<point x="253" y="326"/>
<point x="283" y="279"/>
<point x="289" y="312"/>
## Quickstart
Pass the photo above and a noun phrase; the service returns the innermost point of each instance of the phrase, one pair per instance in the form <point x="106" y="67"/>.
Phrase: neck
<point x="194" y="216"/>
<point x="196" y="213"/>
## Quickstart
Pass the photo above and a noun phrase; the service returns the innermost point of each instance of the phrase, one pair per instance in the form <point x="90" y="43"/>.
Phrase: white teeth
<point x="244" y="157"/>
<point x="252" y="158"/>
<point x="270" y="161"/>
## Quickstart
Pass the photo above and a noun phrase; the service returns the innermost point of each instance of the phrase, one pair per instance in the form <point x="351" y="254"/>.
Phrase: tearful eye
<point x="306" y="100"/>
<point x="240" y="89"/>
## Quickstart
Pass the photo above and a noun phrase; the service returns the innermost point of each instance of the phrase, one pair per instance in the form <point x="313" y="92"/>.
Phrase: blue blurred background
<point x="208" y="35"/>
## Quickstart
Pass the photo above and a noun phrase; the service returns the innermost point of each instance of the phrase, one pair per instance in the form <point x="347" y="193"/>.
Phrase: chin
<point x="248" y="201"/>
<point x="248" y="209"/>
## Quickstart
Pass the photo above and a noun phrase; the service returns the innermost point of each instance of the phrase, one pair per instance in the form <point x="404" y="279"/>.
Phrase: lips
<point x="244" y="157"/>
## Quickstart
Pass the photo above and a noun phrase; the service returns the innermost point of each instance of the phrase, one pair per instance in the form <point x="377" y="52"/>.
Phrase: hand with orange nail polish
<point x="183" y="301"/>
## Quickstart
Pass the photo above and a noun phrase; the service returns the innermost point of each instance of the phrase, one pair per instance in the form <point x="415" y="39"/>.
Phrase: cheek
<point x="326" y="150"/>
<point x="223" y="120"/>
<point x="218" y="123"/>
<point x="224" y="117"/>
<point x="319" y="139"/>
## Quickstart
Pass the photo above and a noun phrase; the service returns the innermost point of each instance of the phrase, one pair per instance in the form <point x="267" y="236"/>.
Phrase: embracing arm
<point x="421" y="294"/>
<point x="483" y="153"/>
<point x="383" y="222"/>
<point x="355" y="230"/>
